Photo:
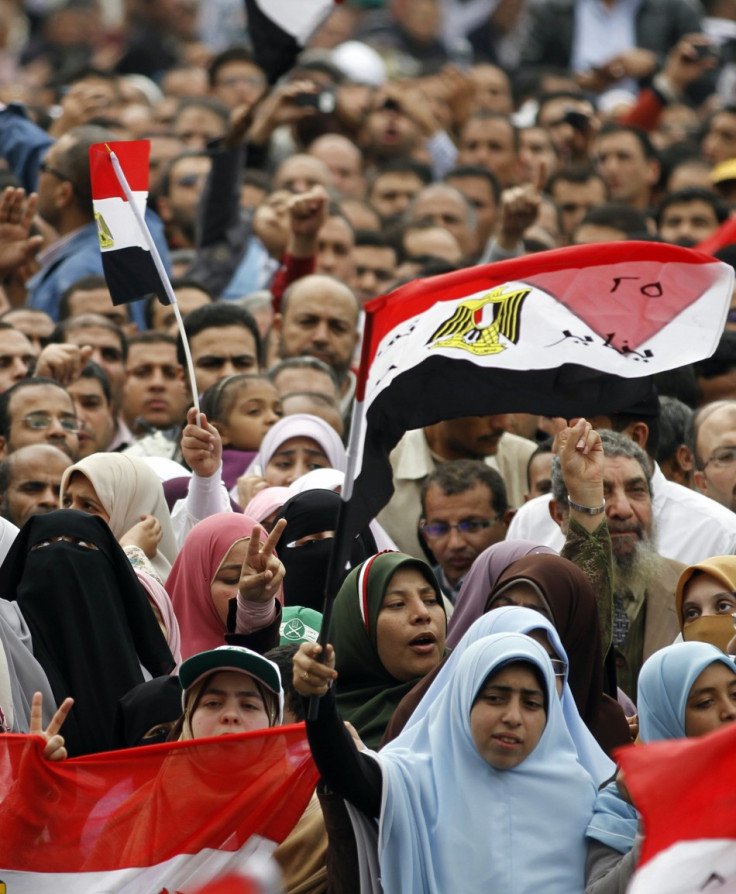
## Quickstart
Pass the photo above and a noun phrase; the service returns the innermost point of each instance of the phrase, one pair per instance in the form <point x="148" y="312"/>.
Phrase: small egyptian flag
<point x="279" y="30"/>
<point x="127" y="261"/>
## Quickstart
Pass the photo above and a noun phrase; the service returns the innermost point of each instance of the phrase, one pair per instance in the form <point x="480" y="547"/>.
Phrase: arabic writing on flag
<point x="571" y="332"/>
<point x="279" y="30"/>
<point x="129" y="268"/>
<point x="172" y="816"/>
<point x="684" y="790"/>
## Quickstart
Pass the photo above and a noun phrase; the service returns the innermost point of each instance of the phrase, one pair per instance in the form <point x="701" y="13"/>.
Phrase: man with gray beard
<point x="644" y="618"/>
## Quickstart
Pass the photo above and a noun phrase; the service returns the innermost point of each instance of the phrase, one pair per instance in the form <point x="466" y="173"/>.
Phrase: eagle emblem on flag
<point x="478" y="323"/>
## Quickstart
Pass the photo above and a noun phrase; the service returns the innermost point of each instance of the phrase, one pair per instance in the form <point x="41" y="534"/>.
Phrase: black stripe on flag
<point x="441" y="388"/>
<point x="275" y="50"/>
<point x="131" y="274"/>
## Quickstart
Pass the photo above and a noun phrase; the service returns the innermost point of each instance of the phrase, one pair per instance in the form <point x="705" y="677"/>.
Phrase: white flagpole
<point x="120" y="174"/>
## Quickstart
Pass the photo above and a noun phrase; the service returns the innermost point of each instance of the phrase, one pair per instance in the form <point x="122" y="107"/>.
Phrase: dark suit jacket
<point x="659" y="25"/>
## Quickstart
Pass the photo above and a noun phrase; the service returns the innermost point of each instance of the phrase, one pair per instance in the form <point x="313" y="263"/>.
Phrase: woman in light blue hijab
<point x="486" y="792"/>
<point x="686" y="689"/>
<point x="515" y="619"/>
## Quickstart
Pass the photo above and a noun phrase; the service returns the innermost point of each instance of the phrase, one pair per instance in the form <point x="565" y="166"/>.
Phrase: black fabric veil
<point x="91" y="624"/>
<point x="312" y="512"/>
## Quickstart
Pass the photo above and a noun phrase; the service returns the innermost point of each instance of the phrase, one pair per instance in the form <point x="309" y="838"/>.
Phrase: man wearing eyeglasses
<point x="464" y="510"/>
<point x="38" y="411"/>
<point x="715" y="452"/>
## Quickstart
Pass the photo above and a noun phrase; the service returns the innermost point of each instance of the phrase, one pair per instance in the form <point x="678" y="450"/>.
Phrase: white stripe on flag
<point x="690" y="867"/>
<point x="185" y="872"/>
<point x="299" y="18"/>
<point x="115" y="218"/>
<point x="550" y="336"/>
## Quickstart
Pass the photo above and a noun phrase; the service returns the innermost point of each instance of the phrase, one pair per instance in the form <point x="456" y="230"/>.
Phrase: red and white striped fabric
<point x="169" y="817"/>
<point x="685" y="791"/>
<point x="129" y="268"/>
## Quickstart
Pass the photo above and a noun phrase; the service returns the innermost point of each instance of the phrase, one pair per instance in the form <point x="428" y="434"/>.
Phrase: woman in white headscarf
<point x="122" y="489"/>
<point x="292" y="447"/>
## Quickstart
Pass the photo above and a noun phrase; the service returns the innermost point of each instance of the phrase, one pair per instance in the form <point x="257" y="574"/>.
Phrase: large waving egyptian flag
<point x="279" y="30"/>
<point x="685" y="791"/>
<point x="146" y="820"/>
<point x="576" y="331"/>
<point x="127" y="261"/>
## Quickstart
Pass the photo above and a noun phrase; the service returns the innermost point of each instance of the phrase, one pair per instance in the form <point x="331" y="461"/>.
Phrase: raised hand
<point x="17" y="246"/>
<point x="201" y="445"/>
<point x="262" y="571"/>
<point x="54" y="749"/>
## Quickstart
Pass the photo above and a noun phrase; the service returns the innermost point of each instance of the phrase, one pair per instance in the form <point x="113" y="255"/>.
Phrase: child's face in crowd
<point x="255" y="408"/>
<point x="508" y="717"/>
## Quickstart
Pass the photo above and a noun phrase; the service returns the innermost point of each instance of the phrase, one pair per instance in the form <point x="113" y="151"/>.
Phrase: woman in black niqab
<point x="91" y="624"/>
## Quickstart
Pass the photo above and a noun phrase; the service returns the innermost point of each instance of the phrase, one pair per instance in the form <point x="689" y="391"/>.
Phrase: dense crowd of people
<point x="537" y="592"/>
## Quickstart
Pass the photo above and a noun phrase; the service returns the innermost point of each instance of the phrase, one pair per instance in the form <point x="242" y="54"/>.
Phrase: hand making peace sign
<point x="262" y="572"/>
<point x="54" y="749"/>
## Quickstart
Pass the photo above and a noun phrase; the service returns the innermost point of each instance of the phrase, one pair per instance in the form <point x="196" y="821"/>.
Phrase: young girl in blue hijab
<point x="687" y="689"/>
<point x="486" y="792"/>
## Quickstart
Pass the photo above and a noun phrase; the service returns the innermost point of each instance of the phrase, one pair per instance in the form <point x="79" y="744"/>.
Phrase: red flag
<point x="684" y="790"/>
<point x="171" y="816"/>
<point x="128" y="264"/>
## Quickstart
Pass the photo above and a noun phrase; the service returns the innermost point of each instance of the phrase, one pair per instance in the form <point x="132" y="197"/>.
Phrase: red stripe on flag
<point x="143" y="806"/>
<point x="684" y="789"/>
<point x="133" y="157"/>
<point x="554" y="271"/>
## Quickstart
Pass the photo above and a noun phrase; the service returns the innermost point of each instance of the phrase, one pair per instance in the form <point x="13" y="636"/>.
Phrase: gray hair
<point x="614" y="444"/>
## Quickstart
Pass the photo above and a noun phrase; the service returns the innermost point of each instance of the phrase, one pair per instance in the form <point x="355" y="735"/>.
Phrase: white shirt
<point x="690" y="526"/>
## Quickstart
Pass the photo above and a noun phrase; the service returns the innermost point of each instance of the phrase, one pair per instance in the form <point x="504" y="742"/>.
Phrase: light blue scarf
<point x="452" y="823"/>
<point x="515" y="619"/>
<point x="665" y="682"/>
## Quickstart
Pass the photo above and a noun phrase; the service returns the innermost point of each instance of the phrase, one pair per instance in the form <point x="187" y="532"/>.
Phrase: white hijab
<point x="128" y="488"/>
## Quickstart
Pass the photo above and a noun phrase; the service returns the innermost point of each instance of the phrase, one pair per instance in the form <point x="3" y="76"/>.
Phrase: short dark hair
<point x="87" y="321"/>
<point x="231" y="54"/>
<point x="544" y="446"/>
<point x="420" y="170"/>
<point x="84" y="284"/>
<point x="675" y="427"/>
<point x="94" y="371"/>
<point x="74" y="162"/>
<point x="459" y="475"/>
<point x="578" y="174"/>
<point x="489" y="115"/>
<point x="642" y="137"/>
<point x="181" y="282"/>
<point x="151" y="337"/>
<point x="374" y="239"/>
<point x="6" y="397"/>
<point x="477" y="171"/>
<point x="214" y="316"/>
<point x="693" y="194"/>
<point x="630" y="221"/>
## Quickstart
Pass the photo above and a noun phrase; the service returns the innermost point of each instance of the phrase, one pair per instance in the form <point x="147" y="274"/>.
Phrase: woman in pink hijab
<point x="204" y="579"/>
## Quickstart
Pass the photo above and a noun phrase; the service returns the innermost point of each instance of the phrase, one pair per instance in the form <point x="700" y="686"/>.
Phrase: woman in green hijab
<point x="388" y="630"/>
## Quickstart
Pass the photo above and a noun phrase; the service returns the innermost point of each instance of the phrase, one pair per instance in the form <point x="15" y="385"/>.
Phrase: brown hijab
<point x="574" y="613"/>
